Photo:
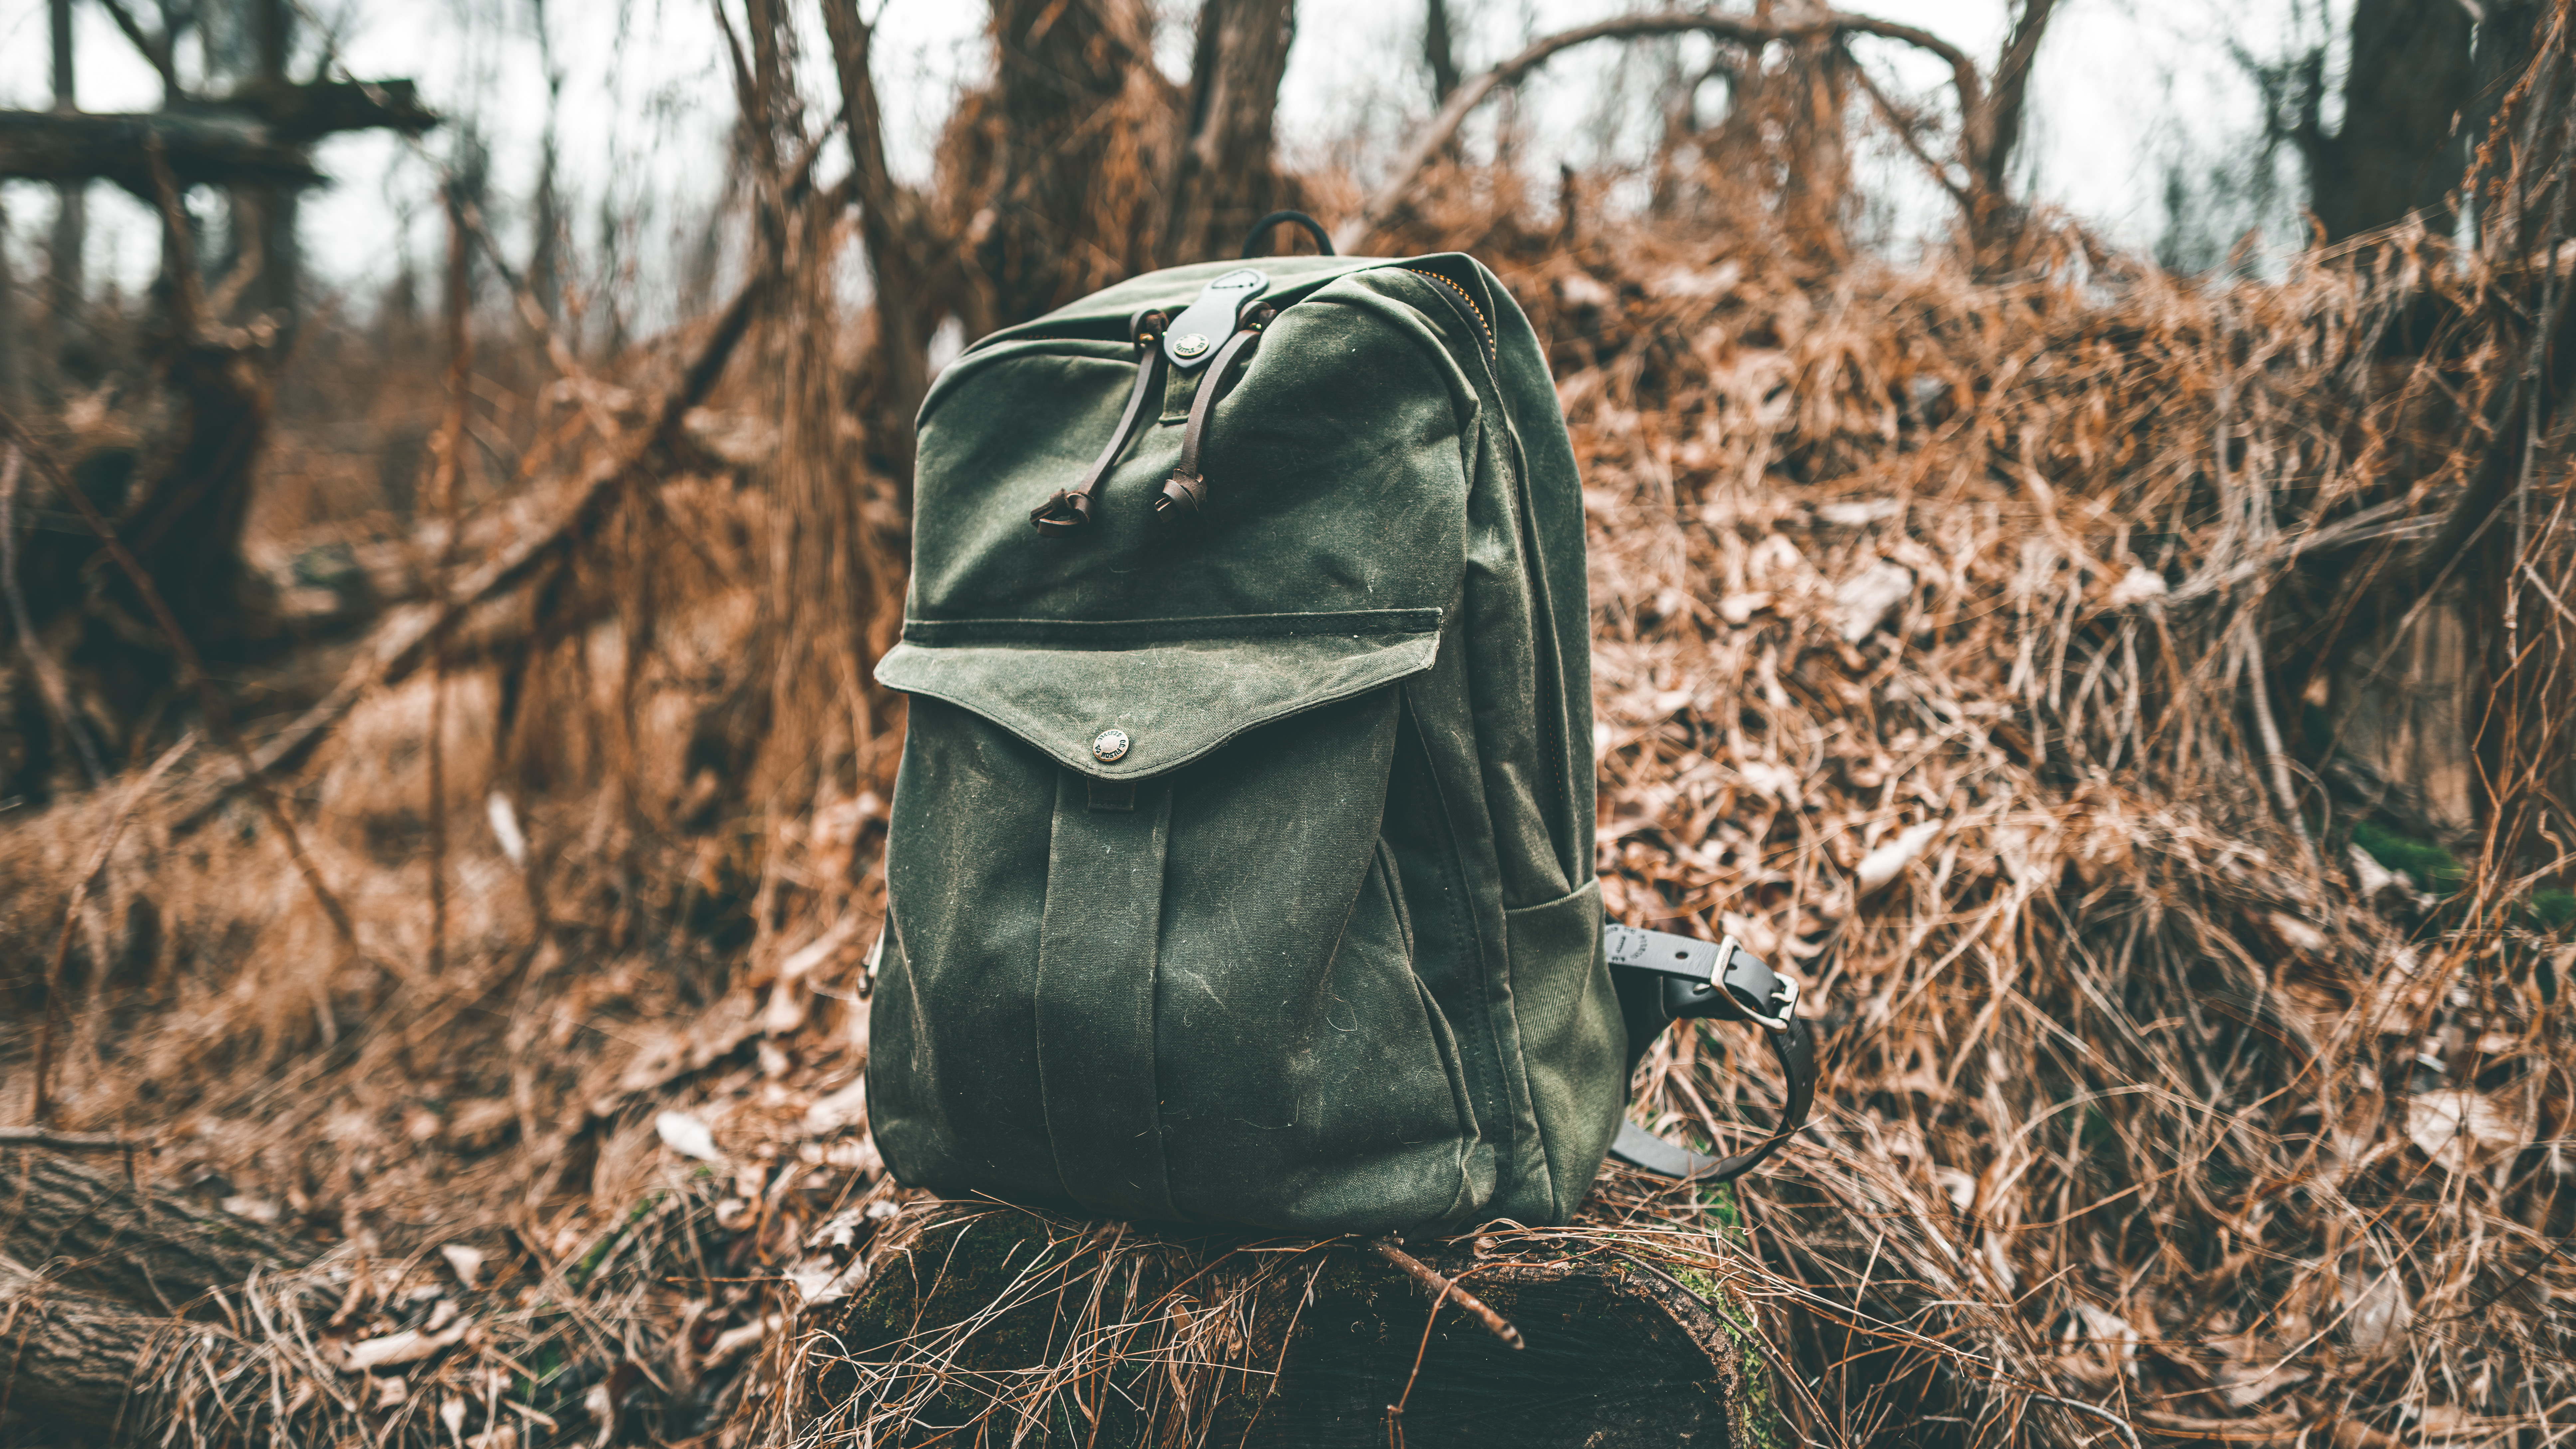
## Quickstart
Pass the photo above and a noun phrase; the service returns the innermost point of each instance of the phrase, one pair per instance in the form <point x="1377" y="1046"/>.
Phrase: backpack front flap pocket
<point x="1200" y="1001"/>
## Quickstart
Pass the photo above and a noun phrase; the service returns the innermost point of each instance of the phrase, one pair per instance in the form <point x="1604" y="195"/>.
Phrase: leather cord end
<point x="1182" y="494"/>
<point x="1062" y="514"/>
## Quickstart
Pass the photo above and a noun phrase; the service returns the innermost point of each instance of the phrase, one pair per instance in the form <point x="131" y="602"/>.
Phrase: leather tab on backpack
<point x="1194" y="337"/>
<point x="1182" y="494"/>
<point x="1062" y="514"/>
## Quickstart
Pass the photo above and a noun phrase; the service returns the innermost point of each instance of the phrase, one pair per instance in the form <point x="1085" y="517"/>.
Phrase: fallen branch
<point x="101" y="1232"/>
<point x="68" y="1141"/>
<point x="71" y="1358"/>
<point x="208" y="148"/>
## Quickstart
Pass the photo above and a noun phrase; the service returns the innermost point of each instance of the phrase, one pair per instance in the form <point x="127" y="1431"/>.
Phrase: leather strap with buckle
<point x="1663" y="978"/>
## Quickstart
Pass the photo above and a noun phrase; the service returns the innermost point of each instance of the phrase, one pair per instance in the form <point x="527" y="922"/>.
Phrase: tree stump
<point x="979" y="1324"/>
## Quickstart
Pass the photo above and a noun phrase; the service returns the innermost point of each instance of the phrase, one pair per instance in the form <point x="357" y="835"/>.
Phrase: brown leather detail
<point x="1185" y="492"/>
<point x="1071" y="508"/>
<point x="1182" y="493"/>
<point x="1062" y="514"/>
<point x="1217" y="313"/>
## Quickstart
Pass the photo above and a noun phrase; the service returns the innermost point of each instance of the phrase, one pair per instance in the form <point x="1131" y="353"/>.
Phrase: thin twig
<point x="1443" y="1287"/>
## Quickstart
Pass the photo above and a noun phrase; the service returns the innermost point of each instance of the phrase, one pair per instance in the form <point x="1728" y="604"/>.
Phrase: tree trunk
<point x="894" y="230"/>
<point x="2409" y="723"/>
<point x="264" y="213"/>
<point x="15" y="340"/>
<point x="182" y="504"/>
<point x="278" y="1347"/>
<point x="95" y="1274"/>
<point x="1992" y="137"/>
<point x="2398" y="152"/>
<point x="1439" y="52"/>
<point x="1078" y="125"/>
<point x="993" y="1321"/>
<point x="65" y="283"/>
<point x="1224" y="177"/>
<point x="1816" y="186"/>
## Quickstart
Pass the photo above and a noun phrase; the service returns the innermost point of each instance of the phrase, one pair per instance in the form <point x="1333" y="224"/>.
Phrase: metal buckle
<point x="1752" y="992"/>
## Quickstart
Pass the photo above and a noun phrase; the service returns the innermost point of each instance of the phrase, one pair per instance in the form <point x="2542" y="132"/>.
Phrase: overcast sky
<point x="2125" y="91"/>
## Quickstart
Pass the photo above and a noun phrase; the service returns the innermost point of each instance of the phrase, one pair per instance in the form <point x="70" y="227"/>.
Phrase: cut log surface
<point x="983" y="1325"/>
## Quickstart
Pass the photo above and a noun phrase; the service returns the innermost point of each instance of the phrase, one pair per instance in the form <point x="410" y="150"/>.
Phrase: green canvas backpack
<point x="1240" y="865"/>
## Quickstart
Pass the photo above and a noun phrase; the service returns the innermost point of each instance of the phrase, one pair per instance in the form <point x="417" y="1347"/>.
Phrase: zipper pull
<point x="1071" y="508"/>
<point x="1185" y="492"/>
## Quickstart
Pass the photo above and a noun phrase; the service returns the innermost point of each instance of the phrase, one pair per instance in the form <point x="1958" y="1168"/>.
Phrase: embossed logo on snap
<point x="1112" y="744"/>
<point x="1190" y="345"/>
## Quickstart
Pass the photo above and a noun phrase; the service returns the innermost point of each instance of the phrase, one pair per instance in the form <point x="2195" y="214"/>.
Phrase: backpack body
<point x="1240" y="865"/>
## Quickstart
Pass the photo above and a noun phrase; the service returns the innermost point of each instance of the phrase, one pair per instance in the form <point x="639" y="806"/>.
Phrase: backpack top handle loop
<point x="1261" y="232"/>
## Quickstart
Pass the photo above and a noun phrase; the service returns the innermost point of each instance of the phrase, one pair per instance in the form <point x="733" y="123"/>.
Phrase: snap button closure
<point x="1189" y="346"/>
<point x="1111" y="745"/>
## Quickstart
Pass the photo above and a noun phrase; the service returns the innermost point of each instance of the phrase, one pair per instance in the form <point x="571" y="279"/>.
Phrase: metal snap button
<point x="1110" y="746"/>
<point x="1189" y="345"/>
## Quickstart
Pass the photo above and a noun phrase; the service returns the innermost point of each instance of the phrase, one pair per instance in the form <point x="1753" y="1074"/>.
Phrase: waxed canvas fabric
<point x="1321" y="951"/>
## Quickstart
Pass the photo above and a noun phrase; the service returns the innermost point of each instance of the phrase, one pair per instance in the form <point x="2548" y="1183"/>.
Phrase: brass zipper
<point x="1477" y="312"/>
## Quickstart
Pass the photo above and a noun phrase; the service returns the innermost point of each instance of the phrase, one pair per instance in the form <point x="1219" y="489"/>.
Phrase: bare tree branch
<point x="1439" y="50"/>
<point x="1991" y="131"/>
<point x="1907" y="126"/>
<point x="1442" y="130"/>
<point x="156" y="50"/>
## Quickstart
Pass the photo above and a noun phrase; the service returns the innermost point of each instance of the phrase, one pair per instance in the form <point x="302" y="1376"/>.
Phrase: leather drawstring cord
<point x="1071" y="508"/>
<point x="1185" y="492"/>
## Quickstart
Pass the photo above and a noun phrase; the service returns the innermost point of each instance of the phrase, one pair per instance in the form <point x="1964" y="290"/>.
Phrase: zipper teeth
<point x="1477" y="311"/>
